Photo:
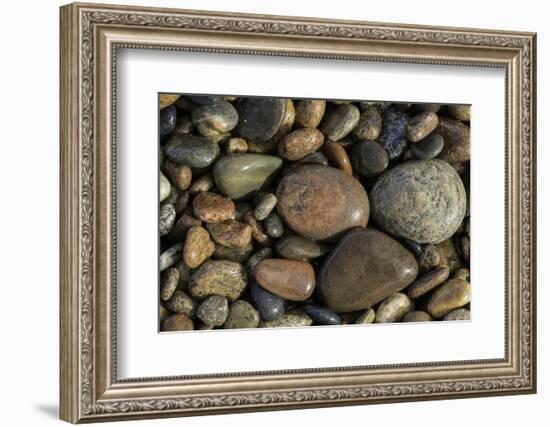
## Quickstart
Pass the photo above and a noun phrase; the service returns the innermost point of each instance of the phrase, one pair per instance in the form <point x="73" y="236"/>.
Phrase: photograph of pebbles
<point x="283" y="212"/>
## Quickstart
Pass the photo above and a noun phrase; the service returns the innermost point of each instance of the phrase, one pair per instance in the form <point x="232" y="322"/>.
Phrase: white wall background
<point x="29" y="170"/>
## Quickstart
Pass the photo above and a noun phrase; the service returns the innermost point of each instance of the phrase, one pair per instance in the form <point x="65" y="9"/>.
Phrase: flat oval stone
<point x="421" y="200"/>
<point x="177" y="322"/>
<point x="169" y="283"/>
<point x="340" y="122"/>
<point x="231" y="233"/>
<point x="321" y="315"/>
<point x="198" y="247"/>
<point x="242" y="315"/>
<point x="170" y="256"/>
<point x="428" y="281"/>
<point x="394" y="308"/>
<point x="287" y="320"/>
<point x="338" y="157"/>
<point x="259" y="118"/>
<point x="457" y="140"/>
<point x="365" y="267"/>
<point x="274" y="225"/>
<point x="299" y="248"/>
<point x="429" y="147"/>
<point x="213" y="311"/>
<point x="226" y="278"/>
<point x="393" y="137"/>
<point x="270" y="306"/>
<point x="454" y="293"/>
<point x="369" y="126"/>
<point x="417" y="316"/>
<point x="191" y="150"/>
<point x="298" y="144"/>
<point x="421" y="125"/>
<point x="265" y="204"/>
<point x="310" y="112"/>
<point x="320" y="202"/>
<point x="167" y="216"/>
<point x="317" y="158"/>
<point x="215" y="119"/>
<point x="211" y="207"/>
<point x="289" y="279"/>
<point x="368" y="158"/>
<point x="242" y="175"/>
<point x="167" y="120"/>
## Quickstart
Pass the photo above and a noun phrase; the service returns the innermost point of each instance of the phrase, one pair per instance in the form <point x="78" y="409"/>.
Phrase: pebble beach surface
<point x="280" y="212"/>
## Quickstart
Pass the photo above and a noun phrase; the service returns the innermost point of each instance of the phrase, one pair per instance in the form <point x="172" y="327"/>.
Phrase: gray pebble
<point x="274" y="225"/>
<point x="214" y="310"/>
<point x="340" y="122"/>
<point x="181" y="303"/>
<point x="170" y="256"/>
<point x="167" y="217"/>
<point x="265" y="204"/>
<point x="429" y="147"/>
<point x="242" y="315"/>
<point x="170" y="280"/>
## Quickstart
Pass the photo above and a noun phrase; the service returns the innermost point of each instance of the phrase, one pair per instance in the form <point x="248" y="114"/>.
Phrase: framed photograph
<point x="268" y="212"/>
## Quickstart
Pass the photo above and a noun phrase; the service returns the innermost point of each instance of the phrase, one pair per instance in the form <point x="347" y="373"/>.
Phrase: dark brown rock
<point x="289" y="279"/>
<point x="320" y="202"/>
<point x="177" y="322"/>
<point x="366" y="267"/>
<point x="428" y="281"/>
<point x="457" y="140"/>
<point x="231" y="233"/>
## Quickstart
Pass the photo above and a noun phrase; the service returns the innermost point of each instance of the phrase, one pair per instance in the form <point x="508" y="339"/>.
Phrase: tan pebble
<point x="167" y="100"/>
<point x="429" y="258"/>
<point x="417" y="316"/>
<point x="458" y="314"/>
<point x="459" y="112"/>
<point x="298" y="144"/>
<point x="421" y="125"/>
<point x="170" y="280"/>
<point x="310" y="112"/>
<point x="198" y="247"/>
<point x="177" y="322"/>
<point x="231" y="233"/>
<point x="394" y="308"/>
<point x="448" y="256"/>
<point x="181" y="202"/>
<point x="338" y="157"/>
<point x="179" y="175"/>
<point x="181" y="303"/>
<point x="211" y="207"/>
<point x="454" y="293"/>
<point x="226" y="278"/>
<point x="369" y="126"/>
<point x="236" y="145"/>
<point x="202" y="184"/>
<point x="163" y="313"/>
<point x="462" y="273"/>
<point x="367" y="316"/>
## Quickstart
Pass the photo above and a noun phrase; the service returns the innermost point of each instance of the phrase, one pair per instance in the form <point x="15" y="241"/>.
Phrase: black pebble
<point x="321" y="315"/>
<point x="270" y="306"/>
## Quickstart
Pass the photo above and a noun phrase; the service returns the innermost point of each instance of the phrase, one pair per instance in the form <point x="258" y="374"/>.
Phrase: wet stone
<point x="365" y="267"/>
<point x="287" y="320"/>
<point x="198" y="247"/>
<point x="167" y="120"/>
<point x="340" y="122"/>
<point x="289" y="279"/>
<point x="259" y="118"/>
<point x="321" y="315"/>
<point x="226" y="278"/>
<point x="310" y="112"/>
<point x="215" y="119"/>
<point x="181" y="303"/>
<point x="393" y="137"/>
<point x="242" y="314"/>
<point x="274" y="225"/>
<point x="167" y="216"/>
<point x="428" y="281"/>
<point x="231" y="233"/>
<point x="369" y="126"/>
<point x="429" y="147"/>
<point x="417" y="316"/>
<point x="421" y="125"/>
<point x="454" y="293"/>
<point x="421" y="200"/>
<point x="211" y="207"/>
<point x="177" y="322"/>
<point x="299" y="248"/>
<point x="270" y="306"/>
<point x="241" y="176"/>
<point x="394" y="308"/>
<point x="170" y="280"/>
<point x="298" y="144"/>
<point x="321" y="203"/>
<point x="214" y="310"/>
<point x="191" y="150"/>
<point x="265" y="204"/>
<point x="368" y="158"/>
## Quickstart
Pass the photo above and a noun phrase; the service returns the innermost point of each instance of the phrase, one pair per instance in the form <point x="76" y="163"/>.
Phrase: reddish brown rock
<point x="211" y="207"/>
<point x="366" y="267"/>
<point x="289" y="279"/>
<point x="298" y="144"/>
<point x="231" y="233"/>
<point x="321" y="203"/>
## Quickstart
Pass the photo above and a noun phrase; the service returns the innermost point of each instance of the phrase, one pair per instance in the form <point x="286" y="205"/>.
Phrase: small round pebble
<point x="167" y="216"/>
<point x="236" y="145"/>
<point x="321" y="315"/>
<point x="394" y="308"/>
<point x="428" y="281"/>
<point x="417" y="316"/>
<point x="297" y="247"/>
<point x="367" y="316"/>
<point x="214" y="310"/>
<point x="170" y="280"/>
<point x="421" y="125"/>
<point x="368" y="158"/>
<point x="215" y="119"/>
<point x="181" y="303"/>
<point x="458" y="314"/>
<point x="429" y="147"/>
<point x="212" y="207"/>
<point x="202" y="184"/>
<point x="198" y="247"/>
<point x="231" y="233"/>
<point x="177" y="322"/>
<point x="274" y="225"/>
<point x="269" y="305"/>
<point x="179" y="175"/>
<point x="298" y="144"/>
<point x="309" y="112"/>
<point x="369" y="126"/>
<point x="265" y="204"/>
<point x="340" y="122"/>
<point x="242" y="314"/>
<point x="164" y="187"/>
<point x="454" y="293"/>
